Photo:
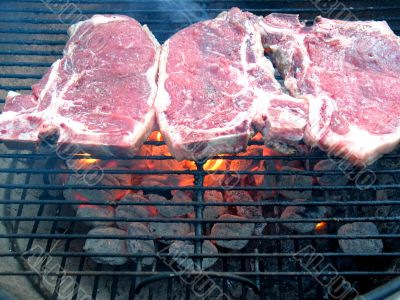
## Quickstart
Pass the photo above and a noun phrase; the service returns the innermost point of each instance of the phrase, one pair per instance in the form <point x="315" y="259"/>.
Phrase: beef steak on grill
<point x="349" y="72"/>
<point x="99" y="96"/>
<point x="215" y="84"/>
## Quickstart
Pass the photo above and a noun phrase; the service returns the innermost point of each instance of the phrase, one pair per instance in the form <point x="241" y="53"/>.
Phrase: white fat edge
<point x="152" y="72"/>
<point x="299" y="38"/>
<point x="291" y="120"/>
<point x="163" y="99"/>
<point x="373" y="145"/>
<point x="12" y="94"/>
<point x="57" y="100"/>
<point x="52" y="78"/>
<point x="7" y="122"/>
<point x="8" y="116"/>
<point x="297" y="119"/>
<point x="222" y="15"/>
<point x="101" y="19"/>
<point x="314" y="116"/>
<point x="72" y="46"/>
<point x="380" y="26"/>
<point x="151" y="35"/>
<point x="268" y="28"/>
<point x="7" y="119"/>
<point x="74" y="28"/>
<point x="141" y="130"/>
<point x="48" y="113"/>
<point x="96" y="19"/>
<point x="5" y="114"/>
<point x="383" y="27"/>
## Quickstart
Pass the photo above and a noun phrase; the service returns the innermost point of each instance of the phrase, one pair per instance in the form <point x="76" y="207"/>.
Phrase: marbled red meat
<point x="215" y="85"/>
<point x="349" y="72"/>
<point x="98" y="96"/>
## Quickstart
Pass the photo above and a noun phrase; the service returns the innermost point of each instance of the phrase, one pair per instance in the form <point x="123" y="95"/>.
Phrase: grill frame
<point x="258" y="277"/>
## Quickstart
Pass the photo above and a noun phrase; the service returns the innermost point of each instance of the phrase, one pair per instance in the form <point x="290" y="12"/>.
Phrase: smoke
<point x="189" y="11"/>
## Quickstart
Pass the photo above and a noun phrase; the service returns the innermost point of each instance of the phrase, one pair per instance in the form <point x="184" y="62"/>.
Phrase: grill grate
<point x="32" y="35"/>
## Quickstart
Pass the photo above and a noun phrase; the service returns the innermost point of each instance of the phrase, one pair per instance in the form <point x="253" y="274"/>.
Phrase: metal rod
<point x="384" y="291"/>
<point x="198" y="226"/>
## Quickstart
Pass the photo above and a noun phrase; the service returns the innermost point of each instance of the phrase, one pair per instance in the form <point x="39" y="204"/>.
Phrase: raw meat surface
<point x="349" y="72"/>
<point x="215" y="85"/>
<point x="98" y="97"/>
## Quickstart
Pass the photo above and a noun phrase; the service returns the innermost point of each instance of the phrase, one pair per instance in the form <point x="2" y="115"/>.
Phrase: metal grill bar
<point x="216" y="188"/>
<point x="189" y="172"/>
<point x="312" y="156"/>
<point x="194" y="221"/>
<point x="152" y="21"/>
<point x="194" y="273"/>
<point x="213" y="11"/>
<point x="227" y="255"/>
<point x="260" y="203"/>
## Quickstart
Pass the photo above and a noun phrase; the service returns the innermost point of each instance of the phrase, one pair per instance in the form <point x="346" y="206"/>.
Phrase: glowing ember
<point x="111" y="164"/>
<point x="81" y="198"/>
<point x="257" y="137"/>
<point x="211" y="166"/>
<point x="214" y="164"/>
<point x="321" y="226"/>
<point x="159" y="137"/>
<point x="155" y="136"/>
<point x="87" y="161"/>
<point x="188" y="164"/>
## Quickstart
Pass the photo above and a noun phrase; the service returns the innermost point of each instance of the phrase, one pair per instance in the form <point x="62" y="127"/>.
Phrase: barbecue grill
<point x="281" y="263"/>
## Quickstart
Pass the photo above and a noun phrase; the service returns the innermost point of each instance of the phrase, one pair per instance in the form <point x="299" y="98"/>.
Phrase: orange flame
<point x="155" y="136"/>
<point x="87" y="161"/>
<point x="210" y="166"/>
<point x="257" y="137"/>
<point x="159" y="137"/>
<point x="321" y="226"/>
<point x="188" y="164"/>
<point x="213" y="164"/>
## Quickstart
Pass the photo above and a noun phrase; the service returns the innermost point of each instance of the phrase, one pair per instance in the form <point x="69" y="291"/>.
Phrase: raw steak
<point x="215" y="84"/>
<point x="98" y="97"/>
<point x="349" y="71"/>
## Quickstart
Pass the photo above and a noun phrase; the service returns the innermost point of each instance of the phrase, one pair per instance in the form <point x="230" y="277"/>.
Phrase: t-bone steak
<point x="349" y="72"/>
<point x="215" y="85"/>
<point x="99" y="97"/>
